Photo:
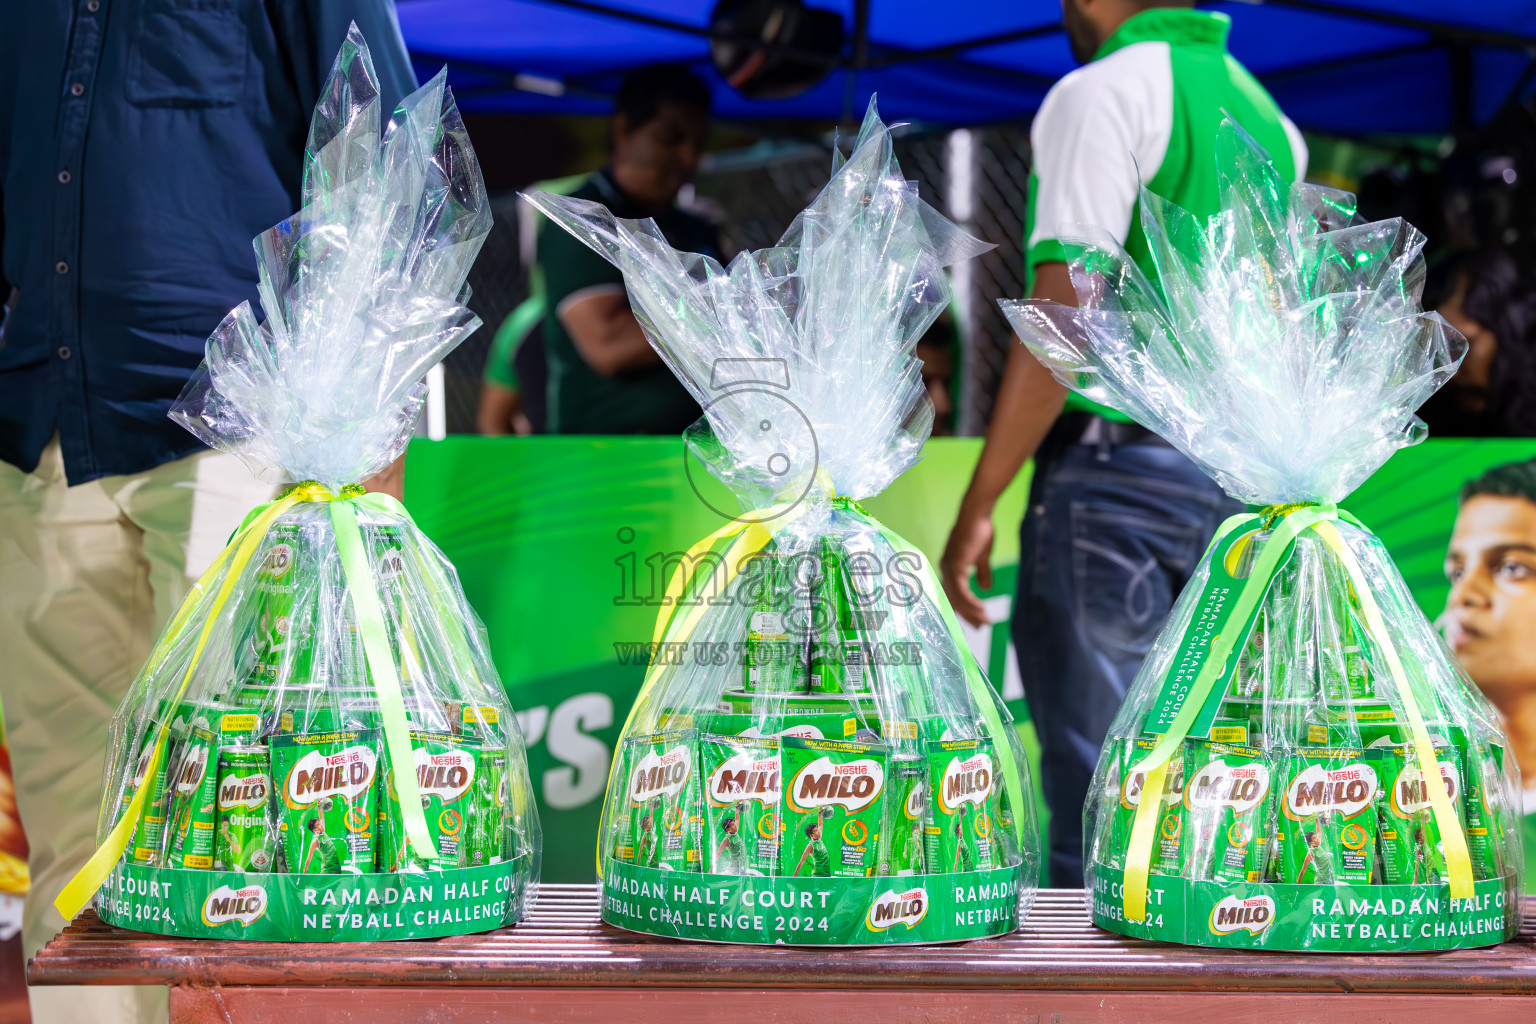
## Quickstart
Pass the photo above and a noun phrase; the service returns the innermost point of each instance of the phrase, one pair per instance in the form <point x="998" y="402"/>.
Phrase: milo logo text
<point x="660" y="774"/>
<point x="243" y="791"/>
<point x="892" y="908"/>
<point x="245" y="905"/>
<point x="391" y="563"/>
<point x="447" y="775"/>
<point x="1129" y="788"/>
<point x="194" y="765"/>
<point x="347" y="773"/>
<point x="1348" y="790"/>
<point x="1217" y="785"/>
<point x="278" y="561"/>
<point x="1242" y="913"/>
<point x="745" y="776"/>
<point x="822" y="783"/>
<point x="1409" y="793"/>
<point x="966" y="782"/>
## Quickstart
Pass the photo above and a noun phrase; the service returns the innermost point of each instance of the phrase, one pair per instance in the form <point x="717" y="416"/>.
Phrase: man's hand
<point x="497" y="413"/>
<point x="1028" y="401"/>
<point x="606" y="333"/>
<point x="970" y="544"/>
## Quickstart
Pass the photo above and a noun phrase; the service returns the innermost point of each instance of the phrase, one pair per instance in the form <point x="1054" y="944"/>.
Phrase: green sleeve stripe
<point x="509" y="338"/>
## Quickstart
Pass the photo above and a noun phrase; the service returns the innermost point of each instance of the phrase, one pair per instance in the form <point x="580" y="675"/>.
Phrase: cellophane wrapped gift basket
<point x="1301" y="763"/>
<point x="815" y="756"/>
<point x="319" y="747"/>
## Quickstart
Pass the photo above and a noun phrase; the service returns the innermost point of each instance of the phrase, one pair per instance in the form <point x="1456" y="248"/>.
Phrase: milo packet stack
<point x="492" y="812"/>
<point x="1225" y="810"/>
<point x="961" y="833"/>
<point x="148" y="845"/>
<point x="284" y="642"/>
<point x="778" y="620"/>
<point x="1483" y="802"/>
<point x="327" y="791"/>
<point x="834" y="804"/>
<point x="1123" y="794"/>
<point x="195" y="798"/>
<point x="247" y="827"/>
<point x="1325" y="829"/>
<point x="742" y="828"/>
<point x="449" y="771"/>
<point x="908" y="808"/>
<point x="660" y="822"/>
<point x="845" y="624"/>
<point x="1412" y="850"/>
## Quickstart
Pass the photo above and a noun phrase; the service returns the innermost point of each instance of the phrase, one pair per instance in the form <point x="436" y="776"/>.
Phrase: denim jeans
<point x="1110" y="538"/>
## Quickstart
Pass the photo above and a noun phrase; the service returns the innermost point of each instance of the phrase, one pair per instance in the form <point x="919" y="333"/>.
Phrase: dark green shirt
<point x="649" y="401"/>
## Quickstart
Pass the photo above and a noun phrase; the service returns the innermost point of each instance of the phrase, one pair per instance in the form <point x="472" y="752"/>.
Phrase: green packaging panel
<point x="812" y="911"/>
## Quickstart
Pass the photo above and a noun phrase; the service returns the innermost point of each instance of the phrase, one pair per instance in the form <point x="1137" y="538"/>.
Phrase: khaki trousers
<point x="89" y="575"/>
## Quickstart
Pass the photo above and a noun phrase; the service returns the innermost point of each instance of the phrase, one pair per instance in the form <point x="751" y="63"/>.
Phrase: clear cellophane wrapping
<point x="1283" y="348"/>
<point x="259" y="730"/>
<point x="804" y="643"/>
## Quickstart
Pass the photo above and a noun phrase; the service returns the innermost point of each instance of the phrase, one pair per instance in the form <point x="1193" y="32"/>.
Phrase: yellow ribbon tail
<point x="386" y="676"/>
<point x="75" y="895"/>
<point x="1458" y="861"/>
<point x="1138" y="859"/>
<point x="89" y="879"/>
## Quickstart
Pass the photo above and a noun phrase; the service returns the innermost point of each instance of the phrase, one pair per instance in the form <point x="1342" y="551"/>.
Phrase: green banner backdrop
<point x="564" y="545"/>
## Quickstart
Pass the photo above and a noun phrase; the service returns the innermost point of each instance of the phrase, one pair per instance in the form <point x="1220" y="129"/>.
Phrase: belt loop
<point x="1103" y="438"/>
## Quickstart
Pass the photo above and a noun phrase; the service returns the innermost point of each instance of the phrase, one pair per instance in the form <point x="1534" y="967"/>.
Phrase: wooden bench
<point x="563" y="964"/>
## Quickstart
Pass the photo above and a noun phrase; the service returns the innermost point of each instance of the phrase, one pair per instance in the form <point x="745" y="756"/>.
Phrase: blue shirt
<point x="143" y="144"/>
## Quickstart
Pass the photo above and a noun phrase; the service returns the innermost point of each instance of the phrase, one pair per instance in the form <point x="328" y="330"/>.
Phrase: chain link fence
<point x="977" y="177"/>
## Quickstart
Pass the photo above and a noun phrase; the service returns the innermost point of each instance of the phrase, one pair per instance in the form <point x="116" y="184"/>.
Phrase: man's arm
<point x="496" y="413"/>
<point x="606" y="333"/>
<point x="1028" y="402"/>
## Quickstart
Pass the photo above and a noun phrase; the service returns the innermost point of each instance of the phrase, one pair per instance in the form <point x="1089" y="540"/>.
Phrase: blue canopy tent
<point x="1349" y="67"/>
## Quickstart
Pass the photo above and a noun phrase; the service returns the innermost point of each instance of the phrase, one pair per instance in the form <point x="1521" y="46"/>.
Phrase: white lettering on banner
<point x="531" y="724"/>
<point x="584" y="774"/>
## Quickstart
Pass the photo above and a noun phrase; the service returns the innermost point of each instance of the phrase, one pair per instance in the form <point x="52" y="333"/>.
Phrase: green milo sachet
<point x="961" y="831"/>
<point x="741" y="779"/>
<point x="1326" y="817"/>
<point x="659" y="824"/>
<point x="1412" y="847"/>
<point x="1227" y="797"/>
<point x="834" y="800"/>
<point x="327" y="790"/>
<point x="447" y="772"/>
<point x="194" y="802"/>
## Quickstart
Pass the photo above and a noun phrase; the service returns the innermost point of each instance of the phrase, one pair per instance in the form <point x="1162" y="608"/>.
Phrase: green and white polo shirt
<point x="1146" y="108"/>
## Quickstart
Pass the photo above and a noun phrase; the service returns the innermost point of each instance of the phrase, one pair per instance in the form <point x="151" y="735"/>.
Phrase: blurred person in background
<point x="123" y="255"/>
<point x="1490" y="613"/>
<point x="1117" y="519"/>
<point x="1492" y="301"/>
<point x="512" y="387"/>
<point x="604" y="377"/>
<point x="940" y="351"/>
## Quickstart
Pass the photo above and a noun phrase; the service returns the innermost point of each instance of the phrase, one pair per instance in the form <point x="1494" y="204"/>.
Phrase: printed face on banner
<point x="1490" y="613"/>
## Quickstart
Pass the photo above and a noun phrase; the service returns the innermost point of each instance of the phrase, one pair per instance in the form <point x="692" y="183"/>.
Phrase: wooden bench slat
<point x="563" y="943"/>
